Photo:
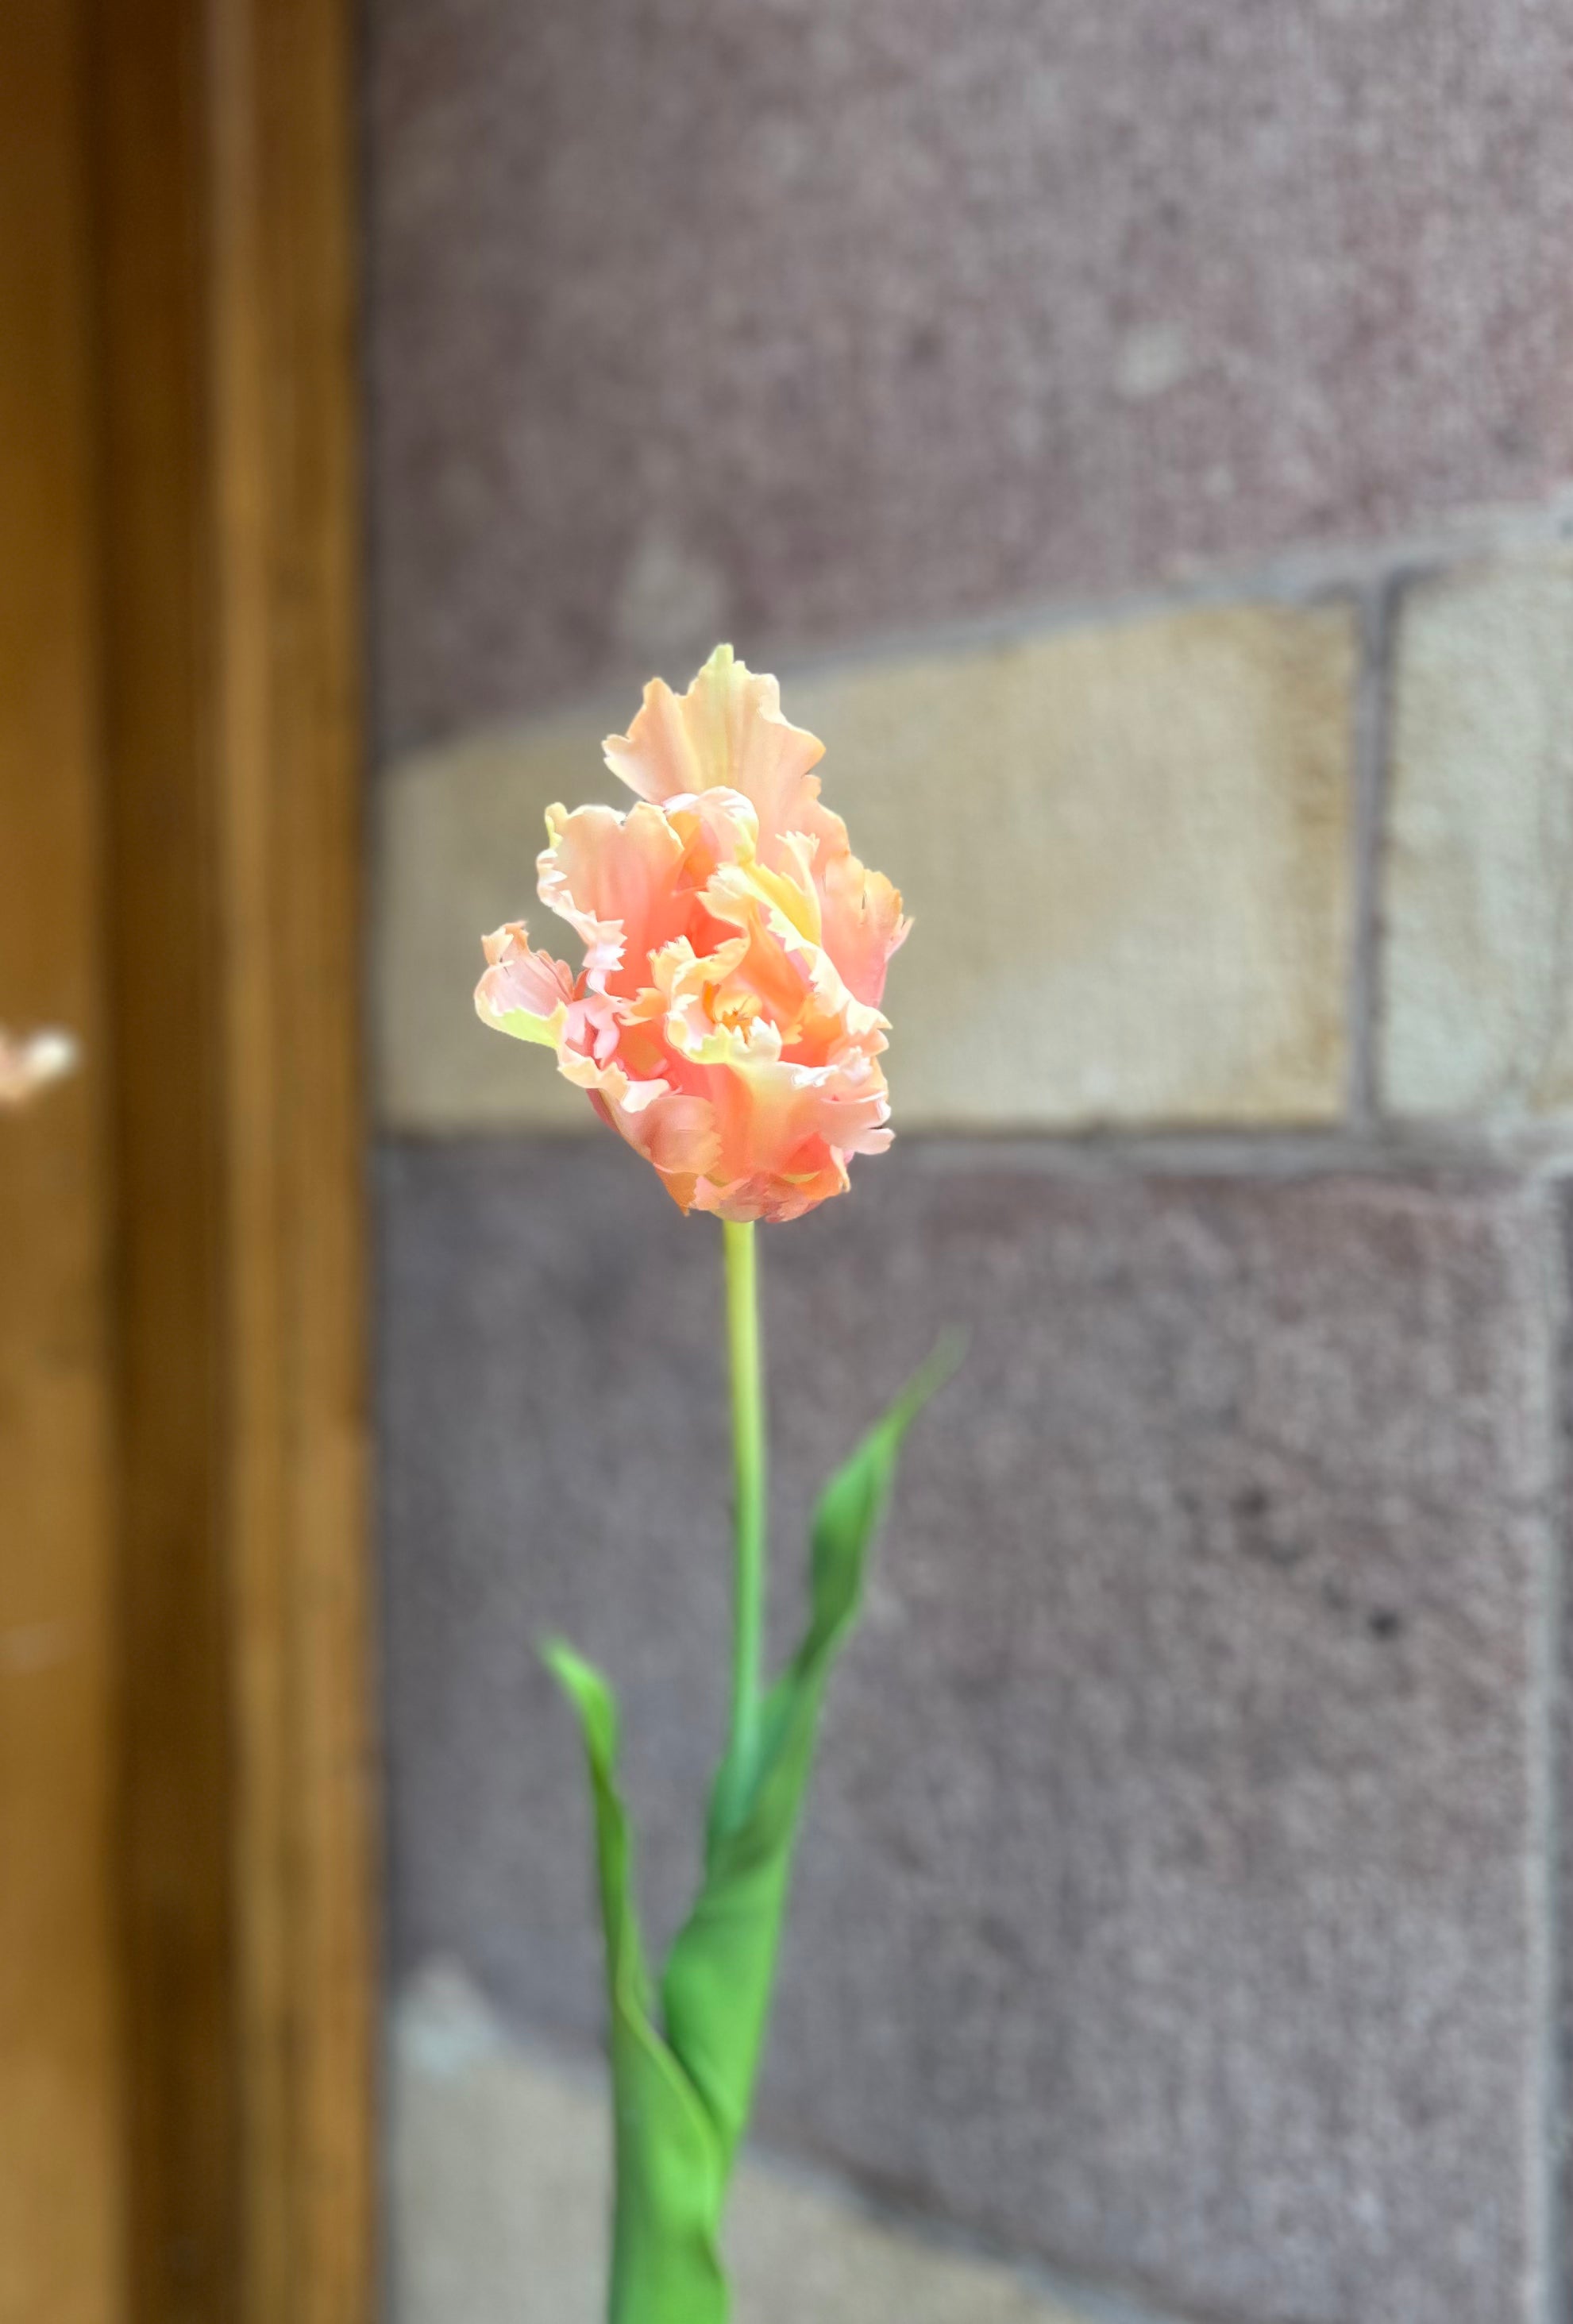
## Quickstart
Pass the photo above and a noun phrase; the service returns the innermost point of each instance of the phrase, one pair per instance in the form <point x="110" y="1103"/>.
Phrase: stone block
<point x="1126" y="848"/>
<point x="1479" y="894"/>
<point x="806" y="322"/>
<point x="1172" y="1904"/>
<point x="499" y="2187"/>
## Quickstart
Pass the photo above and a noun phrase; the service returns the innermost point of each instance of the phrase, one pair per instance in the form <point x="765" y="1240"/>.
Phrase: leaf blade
<point x="670" y="2177"/>
<point x="717" y="1986"/>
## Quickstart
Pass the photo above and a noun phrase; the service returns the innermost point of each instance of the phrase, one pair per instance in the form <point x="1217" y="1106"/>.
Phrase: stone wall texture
<point x="800" y="320"/>
<point x="1479" y="1015"/>
<point x="1140" y="437"/>
<point x="1128" y="847"/>
<point x="1169" y="1905"/>
<point x="499" y="2156"/>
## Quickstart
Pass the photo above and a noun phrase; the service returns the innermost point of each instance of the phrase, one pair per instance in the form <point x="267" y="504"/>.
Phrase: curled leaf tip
<point x="948" y="1355"/>
<point x="941" y="1364"/>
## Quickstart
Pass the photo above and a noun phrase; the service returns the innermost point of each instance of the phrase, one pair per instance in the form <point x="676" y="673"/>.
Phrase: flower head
<point x="26" y="1065"/>
<point x="726" y="1019"/>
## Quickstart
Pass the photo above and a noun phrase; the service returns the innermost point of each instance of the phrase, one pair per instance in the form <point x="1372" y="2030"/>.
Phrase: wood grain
<point x="232" y="653"/>
<point x="293" y="848"/>
<point x="60" y="2144"/>
<point x="186" y="1994"/>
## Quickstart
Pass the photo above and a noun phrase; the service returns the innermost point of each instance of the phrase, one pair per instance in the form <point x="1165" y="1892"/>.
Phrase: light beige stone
<point x="1126" y="848"/>
<point x="499" y="2193"/>
<point x="1478" y="958"/>
<point x="457" y="838"/>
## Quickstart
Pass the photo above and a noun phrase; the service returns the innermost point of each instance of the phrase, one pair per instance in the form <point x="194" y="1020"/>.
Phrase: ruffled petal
<point x="675" y="1134"/>
<point x="727" y="731"/>
<point x="523" y="992"/>
<point x="862" y="923"/>
<point x="726" y="1020"/>
<point x="786" y="1129"/>
<point x="614" y="878"/>
<point x="716" y="828"/>
<point x="786" y="973"/>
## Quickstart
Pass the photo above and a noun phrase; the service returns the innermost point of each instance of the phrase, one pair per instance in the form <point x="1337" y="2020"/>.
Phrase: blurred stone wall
<point x="1141" y="439"/>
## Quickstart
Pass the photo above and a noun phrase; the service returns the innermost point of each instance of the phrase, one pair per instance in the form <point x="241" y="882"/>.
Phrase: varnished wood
<point x="285" y="376"/>
<point x="184" y="1955"/>
<point x="167" y="933"/>
<point x="232" y="646"/>
<point x="61" y="2149"/>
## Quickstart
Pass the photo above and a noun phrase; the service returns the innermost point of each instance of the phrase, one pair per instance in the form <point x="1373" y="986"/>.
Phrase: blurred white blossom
<point x="27" y="1064"/>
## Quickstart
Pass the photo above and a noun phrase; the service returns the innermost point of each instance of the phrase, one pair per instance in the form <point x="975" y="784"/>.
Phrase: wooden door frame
<point x="226" y="164"/>
<point x="215" y="270"/>
<point x="61" y="2148"/>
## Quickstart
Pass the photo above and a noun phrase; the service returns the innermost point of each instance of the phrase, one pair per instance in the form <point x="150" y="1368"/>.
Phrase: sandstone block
<point x="1127" y="850"/>
<point x="1173" y="1900"/>
<point x="1479" y="897"/>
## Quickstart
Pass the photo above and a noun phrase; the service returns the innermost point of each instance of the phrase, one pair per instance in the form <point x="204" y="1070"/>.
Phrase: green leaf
<point x="682" y="2101"/>
<point x="670" y="2173"/>
<point x="717" y="1987"/>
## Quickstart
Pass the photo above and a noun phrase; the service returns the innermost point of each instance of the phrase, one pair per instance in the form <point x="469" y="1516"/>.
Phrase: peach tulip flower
<point x="27" y="1065"/>
<point x="726" y="1018"/>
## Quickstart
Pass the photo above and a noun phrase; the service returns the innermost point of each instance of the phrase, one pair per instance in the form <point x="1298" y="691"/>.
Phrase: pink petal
<point x="614" y="878"/>
<point x="523" y="992"/>
<point x="726" y="732"/>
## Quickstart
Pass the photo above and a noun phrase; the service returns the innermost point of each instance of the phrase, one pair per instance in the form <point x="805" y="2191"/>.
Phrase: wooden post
<point x="232" y="649"/>
<point x="183" y="1618"/>
<point x="61" y="2152"/>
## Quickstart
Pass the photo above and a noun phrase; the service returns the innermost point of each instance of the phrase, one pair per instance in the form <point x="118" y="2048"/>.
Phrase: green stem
<point x="748" y="1447"/>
